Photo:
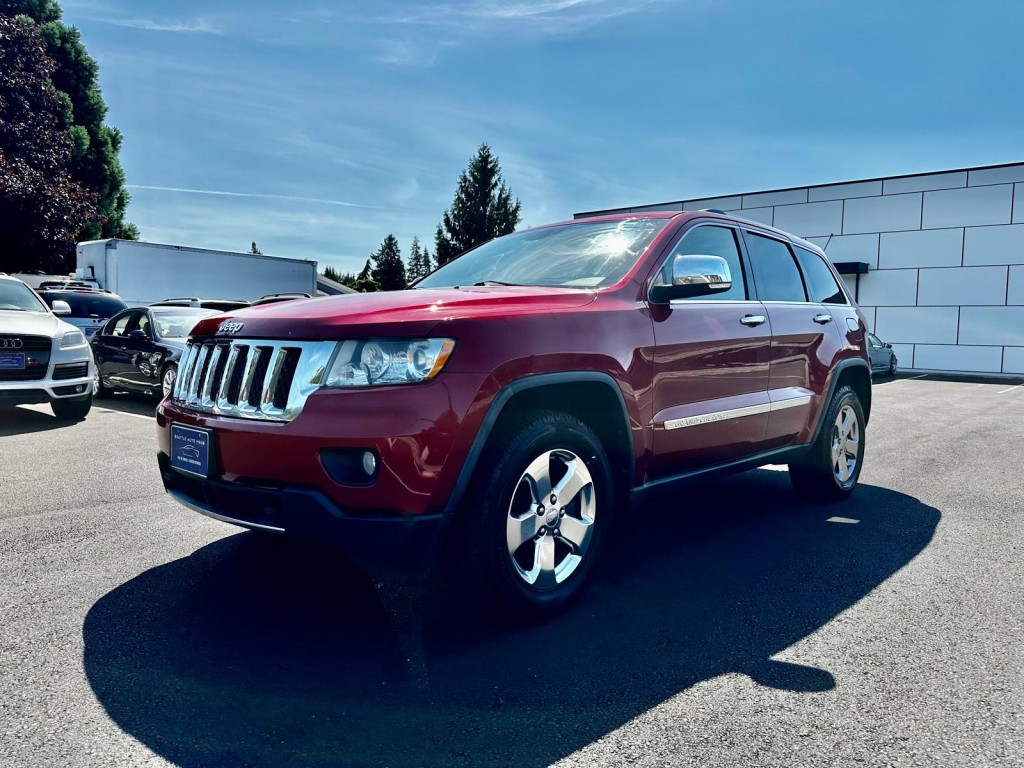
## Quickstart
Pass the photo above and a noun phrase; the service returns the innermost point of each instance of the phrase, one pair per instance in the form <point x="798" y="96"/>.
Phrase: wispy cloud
<point x="550" y="16"/>
<point x="193" y="26"/>
<point x="256" y="195"/>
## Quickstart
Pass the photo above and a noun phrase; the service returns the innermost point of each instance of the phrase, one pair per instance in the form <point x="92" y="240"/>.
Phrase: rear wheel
<point x="535" y="518"/>
<point x="72" y="408"/>
<point x="832" y="466"/>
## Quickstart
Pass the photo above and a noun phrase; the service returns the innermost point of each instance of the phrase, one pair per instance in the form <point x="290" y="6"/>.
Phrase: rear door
<point x="711" y="365"/>
<point x="805" y="340"/>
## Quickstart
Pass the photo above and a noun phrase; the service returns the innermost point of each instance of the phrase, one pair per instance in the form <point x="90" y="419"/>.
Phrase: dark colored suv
<point x="506" y="408"/>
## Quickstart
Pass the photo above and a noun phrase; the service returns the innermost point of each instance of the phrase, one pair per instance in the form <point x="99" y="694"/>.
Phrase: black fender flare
<point x="842" y="365"/>
<point x="505" y="394"/>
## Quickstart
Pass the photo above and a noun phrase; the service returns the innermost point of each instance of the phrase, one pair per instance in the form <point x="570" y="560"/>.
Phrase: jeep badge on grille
<point x="229" y="327"/>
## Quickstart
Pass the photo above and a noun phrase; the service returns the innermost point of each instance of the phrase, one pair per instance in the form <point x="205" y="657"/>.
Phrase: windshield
<point x="15" y="296"/>
<point x="588" y="254"/>
<point x="84" y="304"/>
<point x="177" y="324"/>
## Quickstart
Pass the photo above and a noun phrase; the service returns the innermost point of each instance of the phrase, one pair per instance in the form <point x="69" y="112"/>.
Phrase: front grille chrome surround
<point x="266" y="380"/>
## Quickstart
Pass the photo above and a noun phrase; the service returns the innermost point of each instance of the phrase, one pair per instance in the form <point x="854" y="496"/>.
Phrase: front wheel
<point x="535" y="518"/>
<point x="832" y="466"/>
<point x="892" y="365"/>
<point x="167" y="379"/>
<point x="72" y="408"/>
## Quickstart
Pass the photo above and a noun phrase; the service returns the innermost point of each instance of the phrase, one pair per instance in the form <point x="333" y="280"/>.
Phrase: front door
<point x="711" y="366"/>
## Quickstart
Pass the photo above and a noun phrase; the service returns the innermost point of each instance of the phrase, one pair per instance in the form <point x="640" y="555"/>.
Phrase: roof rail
<point x="714" y="210"/>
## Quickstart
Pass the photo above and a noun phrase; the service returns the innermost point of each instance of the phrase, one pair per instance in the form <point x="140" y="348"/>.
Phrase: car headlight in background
<point x="375" y="362"/>
<point x="72" y="339"/>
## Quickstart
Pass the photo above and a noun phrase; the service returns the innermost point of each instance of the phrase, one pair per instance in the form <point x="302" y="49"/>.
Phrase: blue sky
<point x="317" y="128"/>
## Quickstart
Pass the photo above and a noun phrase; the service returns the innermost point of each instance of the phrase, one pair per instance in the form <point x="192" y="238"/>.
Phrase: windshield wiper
<point x="493" y="282"/>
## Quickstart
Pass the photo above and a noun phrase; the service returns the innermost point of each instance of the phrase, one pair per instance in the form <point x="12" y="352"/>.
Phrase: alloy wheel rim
<point x="168" y="381"/>
<point x="845" y="444"/>
<point x="550" y="523"/>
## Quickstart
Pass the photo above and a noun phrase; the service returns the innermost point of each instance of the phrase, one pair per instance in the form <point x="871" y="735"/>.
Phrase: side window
<point x="820" y="283"/>
<point x="873" y="341"/>
<point x="711" y="241"/>
<point x="118" y="326"/>
<point x="776" y="273"/>
<point x="135" y="320"/>
<point x="144" y="325"/>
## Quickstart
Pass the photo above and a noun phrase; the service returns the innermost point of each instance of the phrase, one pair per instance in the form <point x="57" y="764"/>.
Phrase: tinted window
<point x="711" y="241"/>
<point x="777" y="276"/>
<point x="820" y="283"/>
<point x="119" y="325"/>
<point x="84" y="304"/>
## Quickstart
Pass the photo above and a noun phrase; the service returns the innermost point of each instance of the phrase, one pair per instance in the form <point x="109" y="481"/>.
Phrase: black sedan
<point x="138" y="349"/>
<point x="883" y="359"/>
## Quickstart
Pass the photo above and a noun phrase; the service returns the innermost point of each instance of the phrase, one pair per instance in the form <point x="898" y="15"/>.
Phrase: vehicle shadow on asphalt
<point x="26" y="421"/>
<point x="254" y="652"/>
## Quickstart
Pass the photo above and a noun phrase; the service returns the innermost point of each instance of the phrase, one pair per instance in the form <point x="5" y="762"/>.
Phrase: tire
<point x="72" y="408"/>
<point x="820" y="475"/>
<point x="99" y="389"/>
<point x="892" y="365"/>
<point x="167" y="378"/>
<point x="506" y="557"/>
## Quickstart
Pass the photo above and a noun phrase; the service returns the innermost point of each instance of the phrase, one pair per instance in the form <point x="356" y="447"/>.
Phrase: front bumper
<point x="405" y="542"/>
<point x="49" y="389"/>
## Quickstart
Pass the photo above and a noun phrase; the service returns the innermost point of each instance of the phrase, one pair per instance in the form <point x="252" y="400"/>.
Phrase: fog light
<point x="369" y="463"/>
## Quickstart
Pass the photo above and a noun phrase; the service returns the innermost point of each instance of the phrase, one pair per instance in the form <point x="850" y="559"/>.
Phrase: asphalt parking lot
<point x="734" y="624"/>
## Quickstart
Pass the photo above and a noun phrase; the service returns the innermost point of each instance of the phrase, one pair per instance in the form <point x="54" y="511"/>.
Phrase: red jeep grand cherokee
<point x="512" y="402"/>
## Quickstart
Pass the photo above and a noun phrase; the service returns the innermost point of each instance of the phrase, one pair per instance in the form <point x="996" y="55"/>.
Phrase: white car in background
<point x="42" y="358"/>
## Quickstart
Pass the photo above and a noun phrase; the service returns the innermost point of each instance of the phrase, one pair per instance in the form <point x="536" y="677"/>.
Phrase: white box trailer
<point x="141" y="273"/>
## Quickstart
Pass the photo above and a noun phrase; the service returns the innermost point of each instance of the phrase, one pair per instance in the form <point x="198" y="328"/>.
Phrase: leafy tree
<point x="254" y="250"/>
<point x="419" y="261"/>
<point x="95" y="165"/>
<point x="41" y="206"/>
<point x="388" y="267"/>
<point x="482" y="209"/>
<point x="364" y="283"/>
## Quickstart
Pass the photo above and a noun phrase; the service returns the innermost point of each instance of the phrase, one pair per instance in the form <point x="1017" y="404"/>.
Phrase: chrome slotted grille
<point x="251" y="378"/>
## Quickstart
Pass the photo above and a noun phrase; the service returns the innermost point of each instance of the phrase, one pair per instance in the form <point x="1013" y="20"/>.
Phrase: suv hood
<point x="413" y="312"/>
<point x="33" y="324"/>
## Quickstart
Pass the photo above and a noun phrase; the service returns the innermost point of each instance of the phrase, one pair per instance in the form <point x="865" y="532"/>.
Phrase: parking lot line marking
<point x="911" y="378"/>
<point x="848" y="520"/>
<point x="122" y="413"/>
<point x="1010" y="389"/>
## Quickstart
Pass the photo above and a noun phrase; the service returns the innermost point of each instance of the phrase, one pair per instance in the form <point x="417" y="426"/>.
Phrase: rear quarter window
<point x="820" y="283"/>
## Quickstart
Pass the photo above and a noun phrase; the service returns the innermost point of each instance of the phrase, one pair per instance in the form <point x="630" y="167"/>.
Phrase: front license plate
<point x="12" y="361"/>
<point x="191" y="449"/>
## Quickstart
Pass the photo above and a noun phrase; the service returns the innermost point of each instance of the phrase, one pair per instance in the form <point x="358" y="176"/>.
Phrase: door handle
<point x="822" y="319"/>
<point x="753" y="320"/>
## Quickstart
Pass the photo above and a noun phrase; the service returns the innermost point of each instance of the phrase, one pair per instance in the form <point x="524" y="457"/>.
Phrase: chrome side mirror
<point x="693" y="275"/>
<point x="61" y="308"/>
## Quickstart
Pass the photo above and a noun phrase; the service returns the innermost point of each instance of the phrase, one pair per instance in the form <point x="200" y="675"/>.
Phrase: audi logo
<point x="11" y="343"/>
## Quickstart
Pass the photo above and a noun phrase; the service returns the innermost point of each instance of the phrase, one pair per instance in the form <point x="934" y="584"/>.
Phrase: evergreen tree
<point x="254" y="250"/>
<point x="331" y="274"/>
<point x="95" y="163"/>
<point x="419" y="262"/>
<point x="482" y="209"/>
<point x="364" y="282"/>
<point x="365" y="274"/>
<point x="388" y="267"/>
<point x="41" y="206"/>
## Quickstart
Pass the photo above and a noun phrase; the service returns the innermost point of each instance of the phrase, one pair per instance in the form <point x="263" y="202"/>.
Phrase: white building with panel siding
<point x="944" y="254"/>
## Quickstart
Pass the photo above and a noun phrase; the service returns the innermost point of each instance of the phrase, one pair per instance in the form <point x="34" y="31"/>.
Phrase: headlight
<point x="72" y="339"/>
<point x="375" y="362"/>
